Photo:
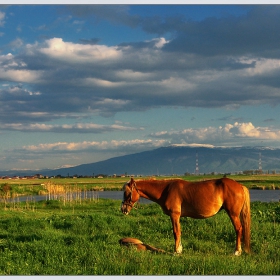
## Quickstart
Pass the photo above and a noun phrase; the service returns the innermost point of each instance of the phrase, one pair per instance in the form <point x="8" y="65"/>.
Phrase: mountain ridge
<point x="174" y="160"/>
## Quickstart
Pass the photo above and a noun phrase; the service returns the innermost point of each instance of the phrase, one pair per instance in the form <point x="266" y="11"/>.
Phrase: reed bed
<point x="67" y="194"/>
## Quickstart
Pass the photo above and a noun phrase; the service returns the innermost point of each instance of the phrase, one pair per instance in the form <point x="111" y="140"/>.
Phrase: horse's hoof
<point x="179" y="249"/>
<point x="178" y="252"/>
<point x="237" y="253"/>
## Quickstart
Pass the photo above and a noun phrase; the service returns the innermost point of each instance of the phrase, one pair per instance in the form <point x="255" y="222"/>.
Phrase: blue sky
<point x="83" y="83"/>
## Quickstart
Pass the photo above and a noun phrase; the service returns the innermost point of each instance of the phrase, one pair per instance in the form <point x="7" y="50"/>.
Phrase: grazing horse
<point x="198" y="200"/>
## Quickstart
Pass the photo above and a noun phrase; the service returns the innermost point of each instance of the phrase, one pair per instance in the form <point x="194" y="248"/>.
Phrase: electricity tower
<point x="196" y="165"/>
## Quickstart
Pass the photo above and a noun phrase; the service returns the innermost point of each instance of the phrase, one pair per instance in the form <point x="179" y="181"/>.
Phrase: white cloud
<point x="79" y="53"/>
<point x="23" y="76"/>
<point x="64" y="146"/>
<point x="220" y="135"/>
<point x="15" y="44"/>
<point x="135" y="76"/>
<point x="19" y="91"/>
<point x="2" y="17"/>
<point x="93" y="146"/>
<point x="194" y="145"/>
<point x="159" y="42"/>
<point x="248" y="130"/>
<point x="67" y="128"/>
<point x="102" y="83"/>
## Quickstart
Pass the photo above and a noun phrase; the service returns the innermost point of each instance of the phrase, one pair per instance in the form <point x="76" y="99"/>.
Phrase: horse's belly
<point x="200" y="205"/>
<point x="198" y="213"/>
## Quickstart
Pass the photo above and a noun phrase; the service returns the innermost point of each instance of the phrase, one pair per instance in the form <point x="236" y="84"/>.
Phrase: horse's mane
<point x="155" y="179"/>
<point x="152" y="179"/>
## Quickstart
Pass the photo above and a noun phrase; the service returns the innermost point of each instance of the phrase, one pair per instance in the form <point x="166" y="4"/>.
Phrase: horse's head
<point x="130" y="196"/>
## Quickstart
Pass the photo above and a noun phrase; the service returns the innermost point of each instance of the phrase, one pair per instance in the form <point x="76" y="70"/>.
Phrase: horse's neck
<point x="150" y="190"/>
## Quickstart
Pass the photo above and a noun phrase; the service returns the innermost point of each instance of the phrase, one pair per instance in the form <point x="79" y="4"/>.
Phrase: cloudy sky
<point x="83" y="83"/>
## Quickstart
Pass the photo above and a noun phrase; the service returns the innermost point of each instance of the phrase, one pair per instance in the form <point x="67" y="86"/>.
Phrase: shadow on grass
<point x="28" y="238"/>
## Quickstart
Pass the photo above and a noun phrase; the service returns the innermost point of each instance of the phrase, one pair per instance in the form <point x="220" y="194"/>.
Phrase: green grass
<point x="82" y="239"/>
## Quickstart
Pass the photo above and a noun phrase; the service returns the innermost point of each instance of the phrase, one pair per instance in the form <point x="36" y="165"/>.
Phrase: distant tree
<point x="5" y="188"/>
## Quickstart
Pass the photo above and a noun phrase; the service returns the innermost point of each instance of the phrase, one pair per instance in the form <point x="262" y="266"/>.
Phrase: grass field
<point x="81" y="238"/>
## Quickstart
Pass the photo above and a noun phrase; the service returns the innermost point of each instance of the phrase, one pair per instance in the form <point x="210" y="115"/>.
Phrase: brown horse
<point x="198" y="200"/>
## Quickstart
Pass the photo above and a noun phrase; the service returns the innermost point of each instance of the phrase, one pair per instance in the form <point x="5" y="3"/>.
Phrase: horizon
<point x="86" y="83"/>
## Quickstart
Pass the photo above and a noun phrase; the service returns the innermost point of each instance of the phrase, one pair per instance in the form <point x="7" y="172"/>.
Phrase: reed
<point x="69" y="193"/>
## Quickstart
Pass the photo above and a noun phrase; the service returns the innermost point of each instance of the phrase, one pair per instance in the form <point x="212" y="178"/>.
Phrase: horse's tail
<point x="245" y="217"/>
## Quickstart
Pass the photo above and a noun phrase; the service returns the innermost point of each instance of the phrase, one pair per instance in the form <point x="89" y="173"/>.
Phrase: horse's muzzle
<point x="125" y="208"/>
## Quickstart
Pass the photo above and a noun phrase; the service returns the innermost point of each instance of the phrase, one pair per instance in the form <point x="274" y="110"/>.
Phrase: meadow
<point x="80" y="237"/>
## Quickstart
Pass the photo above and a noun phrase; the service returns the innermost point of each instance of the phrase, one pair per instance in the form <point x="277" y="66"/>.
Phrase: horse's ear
<point x="132" y="181"/>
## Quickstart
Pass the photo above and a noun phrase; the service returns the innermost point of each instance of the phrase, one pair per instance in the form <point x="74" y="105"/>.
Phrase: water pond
<point x="256" y="195"/>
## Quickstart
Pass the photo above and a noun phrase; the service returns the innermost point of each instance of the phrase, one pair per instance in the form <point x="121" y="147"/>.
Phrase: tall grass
<point x="52" y="240"/>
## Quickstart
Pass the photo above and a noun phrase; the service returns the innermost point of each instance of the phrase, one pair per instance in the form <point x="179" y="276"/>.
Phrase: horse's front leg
<point x="175" y="219"/>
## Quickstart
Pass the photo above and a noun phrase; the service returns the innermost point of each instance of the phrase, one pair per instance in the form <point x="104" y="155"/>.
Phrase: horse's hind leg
<point x="175" y="219"/>
<point x="238" y="230"/>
